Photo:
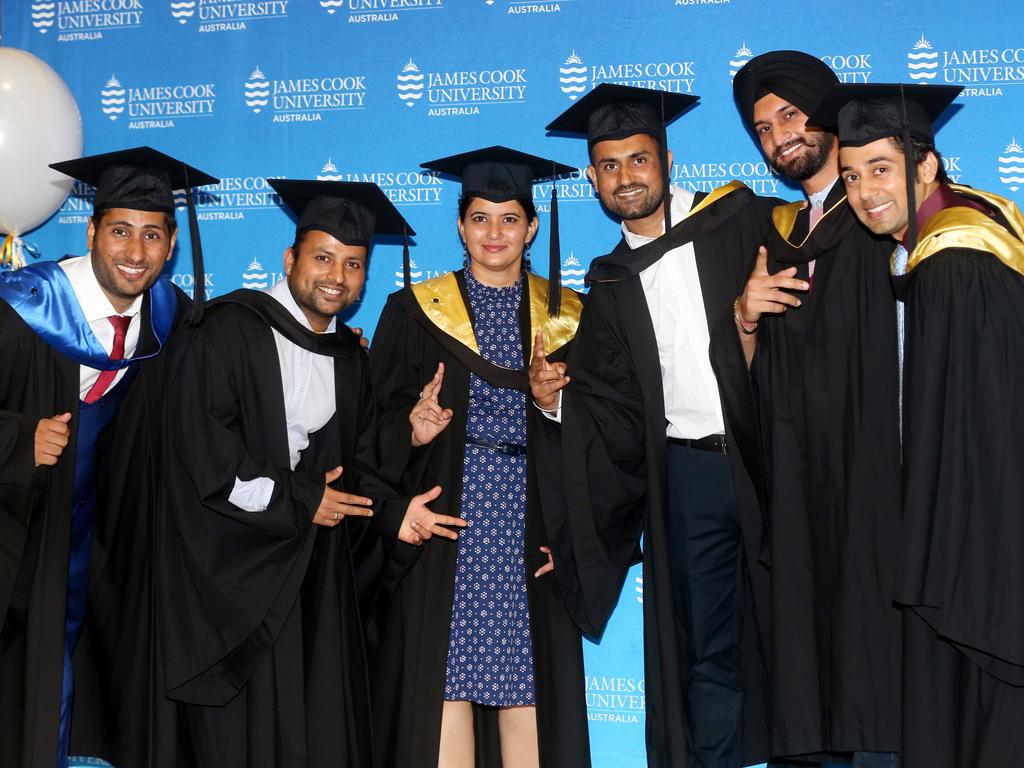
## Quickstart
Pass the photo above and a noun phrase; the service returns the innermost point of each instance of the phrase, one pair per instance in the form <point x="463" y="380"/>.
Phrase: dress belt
<point x="512" y="449"/>
<point x="714" y="443"/>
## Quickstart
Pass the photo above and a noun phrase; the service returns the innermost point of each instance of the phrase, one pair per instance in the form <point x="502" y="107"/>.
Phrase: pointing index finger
<point x="761" y="266"/>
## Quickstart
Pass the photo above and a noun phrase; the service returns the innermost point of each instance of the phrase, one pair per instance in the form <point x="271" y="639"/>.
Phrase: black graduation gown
<point x="411" y="618"/>
<point x="120" y="710"/>
<point x="611" y="449"/>
<point x="826" y="376"/>
<point x="962" y="574"/>
<point x="115" y="702"/>
<point x="262" y="638"/>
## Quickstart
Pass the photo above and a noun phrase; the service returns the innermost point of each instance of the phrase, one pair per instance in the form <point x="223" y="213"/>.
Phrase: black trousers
<point x="706" y="547"/>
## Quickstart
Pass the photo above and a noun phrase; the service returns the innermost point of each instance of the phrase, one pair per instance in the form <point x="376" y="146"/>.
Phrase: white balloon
<point x="39" y="124"/>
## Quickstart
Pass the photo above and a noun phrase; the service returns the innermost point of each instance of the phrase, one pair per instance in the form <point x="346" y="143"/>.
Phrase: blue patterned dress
<point x="489" y="647"/>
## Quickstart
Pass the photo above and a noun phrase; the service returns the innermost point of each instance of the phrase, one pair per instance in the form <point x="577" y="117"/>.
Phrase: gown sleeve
<point x="395" y="380"/>
<point x="18" y="473"/>
<point x="592" y="468"/>
<point x="228" y="577"/>
<point x="963" y="530"/>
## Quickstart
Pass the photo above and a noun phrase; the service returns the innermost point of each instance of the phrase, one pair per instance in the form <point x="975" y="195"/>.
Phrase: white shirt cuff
<point x="252" y="495"/>
<point x="556" y="414"/>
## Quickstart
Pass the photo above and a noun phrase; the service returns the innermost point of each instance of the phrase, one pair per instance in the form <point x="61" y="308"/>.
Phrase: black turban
<point x="799" y="78"/>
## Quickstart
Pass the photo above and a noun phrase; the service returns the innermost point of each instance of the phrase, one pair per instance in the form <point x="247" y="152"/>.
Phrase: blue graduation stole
<point x="42" y="296"/>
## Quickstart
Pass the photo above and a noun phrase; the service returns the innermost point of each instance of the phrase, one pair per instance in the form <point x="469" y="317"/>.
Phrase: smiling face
<point x="794" y="150"/>
<point x="325" y="276"/>
<point x="627" y="175"/>
<point x="876" y="187"/>
<point x="128" y="249"/>
<point x="495" y="235"/>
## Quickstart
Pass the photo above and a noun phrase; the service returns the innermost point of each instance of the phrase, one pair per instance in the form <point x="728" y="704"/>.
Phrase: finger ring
<point x="421" y="394"/>
<point x="336" y="514"/>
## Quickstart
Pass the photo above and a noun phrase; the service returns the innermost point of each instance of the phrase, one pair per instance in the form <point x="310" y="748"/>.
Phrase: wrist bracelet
<point x="740" y="322"/>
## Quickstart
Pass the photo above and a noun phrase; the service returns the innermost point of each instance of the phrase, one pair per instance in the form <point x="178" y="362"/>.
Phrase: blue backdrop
<point x="368" y="89"/>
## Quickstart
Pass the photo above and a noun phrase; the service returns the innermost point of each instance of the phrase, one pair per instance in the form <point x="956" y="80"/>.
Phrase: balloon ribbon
<point x="13" y="250"/>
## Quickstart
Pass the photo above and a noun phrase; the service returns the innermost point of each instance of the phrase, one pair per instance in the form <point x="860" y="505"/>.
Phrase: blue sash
<point x="42" y="296"/>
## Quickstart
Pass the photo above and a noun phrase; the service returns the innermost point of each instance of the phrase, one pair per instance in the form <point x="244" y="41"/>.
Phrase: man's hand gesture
<point x="52" y="437"/>
<point x="336" y="504"/>
<point x="546" y="379"/>
<point x="764" y="294"/>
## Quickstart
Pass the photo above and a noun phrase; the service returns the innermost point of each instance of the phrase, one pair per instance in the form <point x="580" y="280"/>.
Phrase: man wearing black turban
<point x="817" y="323"/>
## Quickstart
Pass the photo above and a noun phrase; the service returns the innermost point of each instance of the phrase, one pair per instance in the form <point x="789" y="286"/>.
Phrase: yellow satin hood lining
<point x="441" y="301"/>
<point x="714" y="196"/>
<point x="558" y="331"/>
<point x="784" y="219"/>
<point x="962" y="227"/>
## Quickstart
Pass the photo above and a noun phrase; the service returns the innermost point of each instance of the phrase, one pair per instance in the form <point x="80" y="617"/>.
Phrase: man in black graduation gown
<point x="959" y="266"/>
<point x="644" y="445"/>
<point x="825" y="370"/>
<point x="80" y="399"/>
<point x="272" y="440"/>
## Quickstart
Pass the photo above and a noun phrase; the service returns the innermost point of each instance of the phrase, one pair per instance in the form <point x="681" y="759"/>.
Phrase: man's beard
<point x="107" y="274"/>
<point x="643" y="207"/>
<point x="805" y="165"/>
<point x="311" y="300"/>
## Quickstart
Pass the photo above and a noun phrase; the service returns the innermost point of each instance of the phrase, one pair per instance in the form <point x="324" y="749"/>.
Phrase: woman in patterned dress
<point x="473" y="659"/>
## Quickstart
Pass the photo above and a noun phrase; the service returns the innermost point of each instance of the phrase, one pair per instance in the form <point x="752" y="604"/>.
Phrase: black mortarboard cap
<point x="611" y="112"/>
<point x="143" y="179"/>
<point x="863" y="113"/>
<point x="350" y="211"/>
<point x="140" y="179"/>
<point x="800" y="78"/>
<point x="499" y="174"/>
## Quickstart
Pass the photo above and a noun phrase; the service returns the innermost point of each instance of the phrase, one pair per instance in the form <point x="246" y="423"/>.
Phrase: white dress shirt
<point x="307" y="380"/>
<point x="671" y="286"/>
<point x="817" y="199"/>
<point x="96" y="308"/>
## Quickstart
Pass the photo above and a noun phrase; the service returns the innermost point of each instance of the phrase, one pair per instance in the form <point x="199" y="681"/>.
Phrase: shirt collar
<point x="283" y="294"/>
<point x="682" y="200"/>
<point x="91" y="298"/>
<point x="817" y="199"/>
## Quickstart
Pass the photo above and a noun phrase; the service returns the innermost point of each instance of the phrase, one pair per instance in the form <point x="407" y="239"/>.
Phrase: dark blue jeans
<point x="706" y="550"/>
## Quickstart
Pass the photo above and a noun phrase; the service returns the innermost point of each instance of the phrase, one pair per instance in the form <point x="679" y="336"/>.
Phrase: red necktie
<point x="117" y="353"/>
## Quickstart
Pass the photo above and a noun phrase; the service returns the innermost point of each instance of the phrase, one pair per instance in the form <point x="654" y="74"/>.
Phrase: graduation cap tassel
<point x="554" y="258"/>
<point x="406" y="265"/>
<point x="911" y="173"/>
<point x="667" y="198"/>
<point x="198" y="270"/>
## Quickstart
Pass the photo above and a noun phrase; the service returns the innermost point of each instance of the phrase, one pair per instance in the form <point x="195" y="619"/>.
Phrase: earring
<point x="465" y="257"/>
<point x="526" y="257"/>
